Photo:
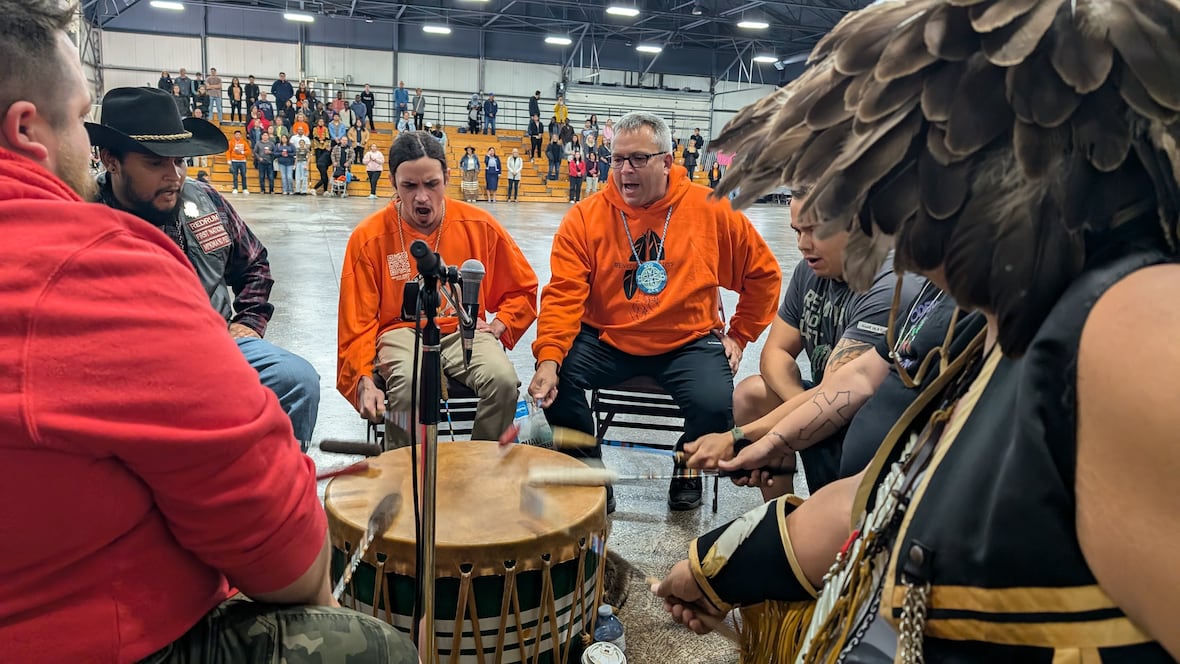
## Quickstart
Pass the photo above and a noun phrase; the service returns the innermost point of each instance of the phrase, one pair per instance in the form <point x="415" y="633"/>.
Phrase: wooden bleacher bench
<point x="639" y="403"/>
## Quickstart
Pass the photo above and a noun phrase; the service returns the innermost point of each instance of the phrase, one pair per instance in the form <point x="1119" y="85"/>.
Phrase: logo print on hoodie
<point x="647" y="246"/>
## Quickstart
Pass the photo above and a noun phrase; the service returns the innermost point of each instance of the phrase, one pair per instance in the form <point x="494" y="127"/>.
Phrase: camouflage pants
<point x="241" y="631"/>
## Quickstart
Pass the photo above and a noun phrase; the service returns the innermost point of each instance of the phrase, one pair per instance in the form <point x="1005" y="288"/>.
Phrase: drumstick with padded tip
<point x="383" y="515"/>
<point x="564" y="438"/>
<point x="603" y="476"/>
<point x="358" y="467"/>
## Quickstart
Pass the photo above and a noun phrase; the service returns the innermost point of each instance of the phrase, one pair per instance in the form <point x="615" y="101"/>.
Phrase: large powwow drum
<point x="512" y="585"/>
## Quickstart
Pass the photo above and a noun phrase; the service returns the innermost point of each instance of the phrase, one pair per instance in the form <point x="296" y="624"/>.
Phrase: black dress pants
<point x="697" y="376"/>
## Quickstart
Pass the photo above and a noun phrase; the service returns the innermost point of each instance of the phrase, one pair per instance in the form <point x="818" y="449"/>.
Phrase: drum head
<point x="479" y="520"/>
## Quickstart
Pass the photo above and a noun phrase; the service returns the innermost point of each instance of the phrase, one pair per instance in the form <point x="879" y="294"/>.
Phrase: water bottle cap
<point x="605" y="610"/>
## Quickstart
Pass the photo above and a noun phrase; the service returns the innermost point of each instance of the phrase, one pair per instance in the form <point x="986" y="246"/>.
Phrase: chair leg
<point x="715" y="488"/>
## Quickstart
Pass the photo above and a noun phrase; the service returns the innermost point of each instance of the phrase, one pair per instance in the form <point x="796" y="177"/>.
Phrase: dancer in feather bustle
<point x="1025" y="156"/>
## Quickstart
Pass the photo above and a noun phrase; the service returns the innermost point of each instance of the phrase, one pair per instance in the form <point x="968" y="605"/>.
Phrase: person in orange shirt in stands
<point x="634" y="292"/>
<point x="378" y="268"/>
<point x="237" y="155"/>
<point x="300" y="121"/>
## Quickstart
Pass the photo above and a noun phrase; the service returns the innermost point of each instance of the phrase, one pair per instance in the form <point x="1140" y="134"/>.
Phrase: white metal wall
<point x="519" y="79"/>
<point x="150" y="52"/>
<point x="238" y="57"/>
<point x="438" y="72"/>
<point x="731" y="97"/>
<point x="364" y="66"/>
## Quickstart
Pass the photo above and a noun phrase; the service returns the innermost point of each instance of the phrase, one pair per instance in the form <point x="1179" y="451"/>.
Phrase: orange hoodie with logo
<point x="377" y="265"/>
<point x="708" y="244"/>
<point x="239" y="150"/>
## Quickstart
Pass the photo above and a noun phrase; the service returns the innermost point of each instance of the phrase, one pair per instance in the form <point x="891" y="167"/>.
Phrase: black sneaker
<point x="684" y="494"/>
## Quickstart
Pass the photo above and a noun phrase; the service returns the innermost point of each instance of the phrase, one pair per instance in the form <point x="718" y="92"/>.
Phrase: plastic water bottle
<point x="608" y="629"/>
<point x="534" y="427"/>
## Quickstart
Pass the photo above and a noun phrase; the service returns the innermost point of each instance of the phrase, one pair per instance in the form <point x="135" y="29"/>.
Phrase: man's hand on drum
<point x="370" y="399"/>
<point x="684" y="600"/>
<point x="543" y="389"/>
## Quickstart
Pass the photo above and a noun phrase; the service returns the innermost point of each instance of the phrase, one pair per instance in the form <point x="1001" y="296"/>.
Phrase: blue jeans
<point x="266" y="174"/>
<point x="237" y="168"/>
<point x="215" y="106"/>
<point x="288" y="174"/>
<point x="291" y="378"/>
<point x="489" y="123"/>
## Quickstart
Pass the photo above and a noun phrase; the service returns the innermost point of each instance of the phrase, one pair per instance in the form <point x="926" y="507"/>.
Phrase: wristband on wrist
<point x="737" y="434"/>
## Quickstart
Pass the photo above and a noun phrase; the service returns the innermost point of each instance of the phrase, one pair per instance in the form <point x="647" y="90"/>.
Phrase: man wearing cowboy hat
<point x="164" y="476"/>
<point x="144" y="143"/>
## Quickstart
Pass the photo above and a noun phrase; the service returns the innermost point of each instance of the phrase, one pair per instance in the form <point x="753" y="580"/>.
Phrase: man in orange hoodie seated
<point x="634" y="293"/>
<point x="378" y="266"/>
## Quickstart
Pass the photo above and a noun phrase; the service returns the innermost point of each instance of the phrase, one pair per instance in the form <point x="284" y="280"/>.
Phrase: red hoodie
<point x="708" y="245"/>
<point x="144" y="462"/>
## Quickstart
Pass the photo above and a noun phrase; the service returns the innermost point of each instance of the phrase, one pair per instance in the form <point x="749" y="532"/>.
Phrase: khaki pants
<point x="491" y="376"/>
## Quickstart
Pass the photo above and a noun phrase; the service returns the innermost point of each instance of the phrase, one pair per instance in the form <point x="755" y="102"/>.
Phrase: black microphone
<point x="430" y="264"/>
<point x="471" y="272"/>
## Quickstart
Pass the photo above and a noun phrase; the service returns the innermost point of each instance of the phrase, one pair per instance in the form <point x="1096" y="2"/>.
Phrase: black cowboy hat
<point x="146" y="120"/>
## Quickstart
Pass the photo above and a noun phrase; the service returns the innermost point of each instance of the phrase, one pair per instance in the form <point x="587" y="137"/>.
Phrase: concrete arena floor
<point x="306" y="236"/>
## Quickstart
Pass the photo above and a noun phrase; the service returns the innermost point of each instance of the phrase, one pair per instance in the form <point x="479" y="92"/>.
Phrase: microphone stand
<point x="432" y="271"/>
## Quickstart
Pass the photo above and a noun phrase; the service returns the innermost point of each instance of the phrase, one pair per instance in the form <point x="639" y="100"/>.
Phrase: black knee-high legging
<point x="374" y="178"/>
<point x="323" y="159"/>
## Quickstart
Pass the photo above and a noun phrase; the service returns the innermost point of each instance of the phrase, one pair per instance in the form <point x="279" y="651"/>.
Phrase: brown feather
<point x="966" y="3"/>
<point x="938" y="90"/>
<point x="843" y="193"/>
<point x="948" y="34"/>
<point x="1013" y="43"/>
<point x="1082" y="59"/>
<point x="979" y="112"/>
<point x="853" y="92"/>
<point x="942" y="189"/>
<point x="1037" y="94"/>
<point x="1150" y="46"/>
<point x="865" y="136"/>
<point x="829" y="108"/>
<point x="906" y="53"/>
<point x="882" y="98"/>
<point x="1101" y="131"/>
<point x="815" y="156"/>
<point x="1038" y="148"/>
<point x="863" y="258"/>
<point x="997" y="14"/>
<point x="894" y="199"/>
<point x="1137" y="98"/>
<point x="970" y="253"/>
<point x="921" y="243"/>
<point x="862" y="50"/>
<point x="936" y="145"/>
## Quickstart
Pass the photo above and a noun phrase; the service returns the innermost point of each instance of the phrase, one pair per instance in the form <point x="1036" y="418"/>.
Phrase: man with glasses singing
<point x="634" y="292"/>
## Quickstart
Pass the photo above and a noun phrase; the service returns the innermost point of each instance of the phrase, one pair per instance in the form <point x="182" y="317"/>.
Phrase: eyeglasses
<point x="637" y="160"/>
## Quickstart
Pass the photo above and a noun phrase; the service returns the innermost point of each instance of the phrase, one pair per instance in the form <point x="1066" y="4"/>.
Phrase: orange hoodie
<point x="239" y="150"/>
<point x="708" y="245"/>
<point x="371" y="294"/>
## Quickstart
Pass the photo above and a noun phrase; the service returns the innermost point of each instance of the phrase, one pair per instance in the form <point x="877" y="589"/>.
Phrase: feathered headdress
<point x="985" y="136"/>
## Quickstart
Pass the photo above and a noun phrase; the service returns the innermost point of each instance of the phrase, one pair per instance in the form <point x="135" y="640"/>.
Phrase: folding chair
<point x="456" y="414"/>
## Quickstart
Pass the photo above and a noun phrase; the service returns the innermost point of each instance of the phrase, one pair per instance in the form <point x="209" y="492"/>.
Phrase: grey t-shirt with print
<point x="827" y="310"/>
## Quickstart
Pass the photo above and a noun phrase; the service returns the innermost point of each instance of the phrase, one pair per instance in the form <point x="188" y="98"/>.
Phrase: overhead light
<point x="697" y="10"/>
<point x="436" y="29"/>
<point x="765" y="58"/>
<point x="753" y="24"/>
<point x="620" y="10"/>
<point x="299" y="17"/>
<point x="167" y="4"/>
<point x="559" y="40"/>
<point x="648" y="48"/>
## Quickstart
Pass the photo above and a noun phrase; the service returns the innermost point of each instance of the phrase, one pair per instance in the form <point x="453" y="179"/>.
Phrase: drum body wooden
<point x="510" y="587"/>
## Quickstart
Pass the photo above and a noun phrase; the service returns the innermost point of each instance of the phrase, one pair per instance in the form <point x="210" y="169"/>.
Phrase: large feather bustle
<point x="1080" y="98"/>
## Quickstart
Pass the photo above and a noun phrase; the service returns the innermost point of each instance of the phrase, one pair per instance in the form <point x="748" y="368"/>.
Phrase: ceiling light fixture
<point x="167" y="4"/>
<point x="299" y="17"/>
<point x="649" y="48"/>
<point x="620" y="10"/>
<point x="436" y="29"/>
<point x="753" y="24"/>
<point x="697" y="9"/>
<point x="768" y="59"/>
<point x="559" y="40"/>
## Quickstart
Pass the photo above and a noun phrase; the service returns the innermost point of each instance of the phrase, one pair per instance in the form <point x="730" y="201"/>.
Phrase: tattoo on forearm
<point x="828" y="414"/>
<point x="845" y="352"/>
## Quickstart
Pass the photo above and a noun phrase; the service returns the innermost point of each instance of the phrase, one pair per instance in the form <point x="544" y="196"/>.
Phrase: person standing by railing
<point x="419" y="109"/>
<point x="370" y="103"/>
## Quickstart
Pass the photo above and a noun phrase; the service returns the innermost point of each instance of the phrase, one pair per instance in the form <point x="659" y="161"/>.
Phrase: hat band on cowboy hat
<point x="146" y="120"/>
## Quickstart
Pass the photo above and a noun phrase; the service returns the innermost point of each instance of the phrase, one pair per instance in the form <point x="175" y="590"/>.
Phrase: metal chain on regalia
<point x="913" y="623"/>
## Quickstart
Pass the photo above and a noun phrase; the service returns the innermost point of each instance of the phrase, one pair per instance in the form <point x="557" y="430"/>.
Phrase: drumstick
<point x="358" y="467"/>
<point x="350" y="447"/>
<point x="382" y="517"/>
<point x="564" y="438"/>
<point x="603" y="476"/>
<point x="711" y="621"/>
